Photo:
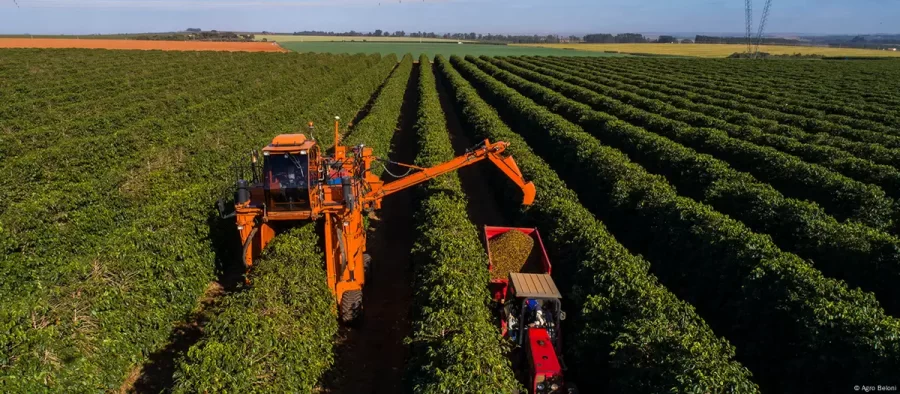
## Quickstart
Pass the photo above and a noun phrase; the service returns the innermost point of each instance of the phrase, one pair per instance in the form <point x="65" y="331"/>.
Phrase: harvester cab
<point x="286" y="172"/>
<point x="297" y="181"/>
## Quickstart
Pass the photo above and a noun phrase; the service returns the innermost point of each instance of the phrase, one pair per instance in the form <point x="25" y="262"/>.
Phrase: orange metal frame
<point x="345" y="235"/>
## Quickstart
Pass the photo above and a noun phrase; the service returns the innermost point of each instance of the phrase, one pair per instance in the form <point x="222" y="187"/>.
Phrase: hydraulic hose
<point x="247" y="246"/>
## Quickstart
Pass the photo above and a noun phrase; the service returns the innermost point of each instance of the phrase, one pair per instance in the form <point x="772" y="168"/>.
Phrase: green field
<point x="714" y="225"/>
<point x="281" y="38"/>
<point x="433" y="48"/>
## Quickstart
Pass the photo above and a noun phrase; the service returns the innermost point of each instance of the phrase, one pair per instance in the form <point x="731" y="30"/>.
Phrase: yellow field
<point x="290" y="38"/>
<point x="718" y="50"/>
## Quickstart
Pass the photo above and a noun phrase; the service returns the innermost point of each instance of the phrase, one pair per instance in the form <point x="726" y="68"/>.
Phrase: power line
<point x="748" y="15"/>
<point x="762" y="25"/>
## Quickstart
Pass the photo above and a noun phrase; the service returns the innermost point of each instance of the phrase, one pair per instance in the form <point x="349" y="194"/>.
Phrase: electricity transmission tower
<point x="748" y="13"/>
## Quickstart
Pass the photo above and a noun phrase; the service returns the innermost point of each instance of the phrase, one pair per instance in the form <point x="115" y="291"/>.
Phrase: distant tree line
<point x="450" y="36"/>
<point x="861" y="41"/>
<point x="743" y="40"/>
<point x="849" y="41"/>
<point x="501" y="38"/>
<point x="423" y="34"/>
<point x="625" y="38"/>
<point x="632" y="38"/>
<point x="194" y="34"/>
<point x="878" y="41"/>
<point x="351" y="33"/>
<point x="865" y="39"/>
<point x="873" y="41"/>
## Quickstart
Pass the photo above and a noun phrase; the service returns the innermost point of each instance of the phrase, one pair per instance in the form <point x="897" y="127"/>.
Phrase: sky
<point x="481" y="16"/>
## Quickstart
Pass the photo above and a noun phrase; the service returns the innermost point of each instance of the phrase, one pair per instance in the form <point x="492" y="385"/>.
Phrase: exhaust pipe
<point x="242" y="195"/>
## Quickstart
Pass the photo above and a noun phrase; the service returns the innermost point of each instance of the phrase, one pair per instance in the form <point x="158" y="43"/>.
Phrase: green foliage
<point x="302" y="359"/>
<point x="429" y="48"/>
<point x="729" y="107"/>
<point x="121" y="239"/>
<point x="856" y="95"/>
<point x="755" y="130"/>
<point x="455" y="347"/>
<point x="378" y="126"/>
<point x="627" y="333"/>
<point x="349" y="101"/>
<point x="796" y="330"/>
<point x="110" y="162"/>
<point x="840" y="196"/>
<point x="787" y="119"/>
<point x="275" y="336"/>
<point x="797" y="226"/>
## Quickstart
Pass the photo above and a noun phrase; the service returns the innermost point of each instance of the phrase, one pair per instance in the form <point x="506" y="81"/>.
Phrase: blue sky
<point x="482" y="16"/>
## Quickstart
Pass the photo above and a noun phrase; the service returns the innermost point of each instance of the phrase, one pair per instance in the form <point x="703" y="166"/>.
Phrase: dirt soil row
<point x="371" y="356"/>
<point x="141" y="44"/>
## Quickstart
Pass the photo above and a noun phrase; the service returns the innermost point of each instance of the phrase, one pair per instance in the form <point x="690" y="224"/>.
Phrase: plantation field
<point x="432" y="49"/>
<point x="716" y="50"/>
<point x="714" y="225"/>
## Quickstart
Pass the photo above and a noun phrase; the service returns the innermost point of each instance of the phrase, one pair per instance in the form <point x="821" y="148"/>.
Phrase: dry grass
<point x="716" y="50"/>
<point x="289" y="38"/>
<point x="128" y="384"/>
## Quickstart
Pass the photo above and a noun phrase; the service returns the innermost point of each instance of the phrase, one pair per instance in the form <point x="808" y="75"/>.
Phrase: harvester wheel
<point x="367" y="264"/>
<point x="351" y="306"/>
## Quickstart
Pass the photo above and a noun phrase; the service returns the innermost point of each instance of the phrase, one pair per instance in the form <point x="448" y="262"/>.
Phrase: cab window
<point x="286" y="170"/>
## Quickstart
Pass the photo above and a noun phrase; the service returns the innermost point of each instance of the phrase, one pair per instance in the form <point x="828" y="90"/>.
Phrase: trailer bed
<point x="499" y="286"/>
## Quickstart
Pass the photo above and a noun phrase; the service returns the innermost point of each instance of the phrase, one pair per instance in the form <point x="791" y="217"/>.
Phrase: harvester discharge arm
<point x="485" y="150"/>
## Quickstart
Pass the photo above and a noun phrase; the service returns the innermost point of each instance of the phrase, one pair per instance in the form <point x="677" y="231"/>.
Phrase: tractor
<point x="528" y="307"/>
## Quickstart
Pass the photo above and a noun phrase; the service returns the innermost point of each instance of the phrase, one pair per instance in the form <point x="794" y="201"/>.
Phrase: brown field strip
<point x="140" y="44"/>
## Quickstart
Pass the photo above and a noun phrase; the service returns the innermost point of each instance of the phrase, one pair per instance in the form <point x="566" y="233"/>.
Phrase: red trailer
<point x="499" y="286"/>
<point x="529" y="309"/>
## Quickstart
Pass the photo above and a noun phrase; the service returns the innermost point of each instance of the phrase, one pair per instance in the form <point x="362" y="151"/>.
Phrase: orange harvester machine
<point x="296" y="181"/>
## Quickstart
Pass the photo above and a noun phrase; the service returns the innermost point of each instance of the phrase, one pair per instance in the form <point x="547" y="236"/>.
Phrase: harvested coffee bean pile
<point x="513" y="251"/>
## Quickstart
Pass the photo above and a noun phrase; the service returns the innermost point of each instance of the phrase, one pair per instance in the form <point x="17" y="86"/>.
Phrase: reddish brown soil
<point x="482" y="207"/>
<point x="141" y="44"/>
<point x="371" y="356"/>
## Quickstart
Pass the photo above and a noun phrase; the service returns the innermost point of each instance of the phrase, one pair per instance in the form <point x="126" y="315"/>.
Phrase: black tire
<point x="367" y="265"/>
<point x="351" y="306"/>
